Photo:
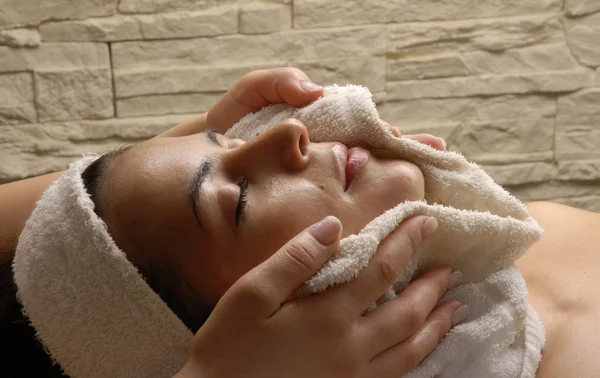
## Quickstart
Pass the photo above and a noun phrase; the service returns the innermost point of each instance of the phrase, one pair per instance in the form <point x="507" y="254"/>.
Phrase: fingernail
<point x="327" y="230"/>
<point x="430" y="225"/>
<point x="460" y="315"/>
<point x="455" y="279"/>
<point x="310" y="86"/>
<point x="444" y="145"/>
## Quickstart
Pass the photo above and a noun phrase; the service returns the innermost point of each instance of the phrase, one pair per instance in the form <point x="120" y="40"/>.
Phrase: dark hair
<point x="22" y="355"/>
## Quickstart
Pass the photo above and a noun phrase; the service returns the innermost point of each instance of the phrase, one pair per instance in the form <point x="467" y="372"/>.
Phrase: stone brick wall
<point x="512" y="84"/>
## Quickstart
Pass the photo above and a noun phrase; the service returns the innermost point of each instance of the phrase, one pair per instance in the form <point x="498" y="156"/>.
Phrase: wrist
<point x="190" y="127"/>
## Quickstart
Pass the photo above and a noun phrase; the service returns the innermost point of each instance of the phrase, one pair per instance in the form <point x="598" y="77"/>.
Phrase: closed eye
<point x="243" y="199"/>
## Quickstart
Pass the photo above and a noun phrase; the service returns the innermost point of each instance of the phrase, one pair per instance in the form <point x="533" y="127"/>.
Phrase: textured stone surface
<point x="583" y="35"/>
<point x="550" y="190"/>
<point x="520" y="173"/>
<point x="54" y="55"/>
<point x="539" y="58"/>
<point x="20" y="37"/>
<point x="314" y="13"/>
<point x="493" y="35"/>
<point x="265" y="18"/>
<point x="369" y="72"/>
<point x="16" y="92"/>
<point x="548" y="82"/>
<point x="427" y="111"/>
<point x="252" y="49"/>
<point x="506" y="136"/>
<point x="27" y="12"/>
<point x="579" y="170"/>
<point x="579" y="111"/>
<point x="427" y="67"/>
<point x="216" y="21"/>
<point x="74" y="94"/>
<point x="591" y="203"/>
<point x="35" y="149"/>
<point x="578" y="145"/>
<point x="166" y="104"/>
<point x="581" y="7"/>
<point x="191" y="78"/>
<point x="155" y="6"/>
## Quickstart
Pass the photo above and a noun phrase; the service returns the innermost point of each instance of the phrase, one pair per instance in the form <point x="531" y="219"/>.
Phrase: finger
<point x="397" y="320"/>
<point x="406" y="356"/>
<point x="428" y="139"/>
<point x="391" y="257"/>
<point x="270" y="284"/>
<point x="258" y="89"/>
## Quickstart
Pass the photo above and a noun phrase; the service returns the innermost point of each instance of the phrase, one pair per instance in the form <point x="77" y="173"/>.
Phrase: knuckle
<point x="302" y="256"/>
<point x="388" y="271"/>
<point x="246" y="289"/>
<point x="413" y="358"/>
<point x="415" y="316"/>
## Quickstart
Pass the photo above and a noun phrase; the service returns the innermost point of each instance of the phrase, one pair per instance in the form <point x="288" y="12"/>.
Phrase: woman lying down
<point x="127" y="254"/>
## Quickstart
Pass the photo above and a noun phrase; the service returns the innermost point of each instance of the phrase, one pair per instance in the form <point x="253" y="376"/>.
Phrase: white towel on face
<point x="482" y="231"/>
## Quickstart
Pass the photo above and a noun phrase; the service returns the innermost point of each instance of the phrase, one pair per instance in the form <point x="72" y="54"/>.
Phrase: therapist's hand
<point x="258" y="328"/>
<point x="258" y="89"/>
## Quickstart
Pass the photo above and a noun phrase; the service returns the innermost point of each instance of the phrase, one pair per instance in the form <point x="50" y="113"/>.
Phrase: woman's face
<point x="217" y="207"/>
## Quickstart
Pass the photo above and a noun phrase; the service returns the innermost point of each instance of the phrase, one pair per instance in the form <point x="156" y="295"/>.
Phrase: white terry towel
<point x="482" y="230"/>
<point x="97" y="317"/>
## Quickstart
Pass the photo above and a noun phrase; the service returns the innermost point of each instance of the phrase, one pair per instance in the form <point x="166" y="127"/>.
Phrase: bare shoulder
<point x="562" y="274"/>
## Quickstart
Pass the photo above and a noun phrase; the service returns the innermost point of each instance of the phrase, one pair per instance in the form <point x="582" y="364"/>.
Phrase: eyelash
<point x="239" y="211"/>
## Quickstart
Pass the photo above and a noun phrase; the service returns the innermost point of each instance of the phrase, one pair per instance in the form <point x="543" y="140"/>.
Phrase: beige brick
<point x="579" y="111"/>
<point x="583" y="35"/>
<point x="516" y="174"/>
<point x="578" y="145"/>
<point x="36" y="149"/>
<point x="166" y="104"/>
<point x="367" y="71"/>
<point x="414" y="113"/>
<point x="537" y="58"/>
<point x="555" y="189"/>
<point x="130" y="83"/>
<point x="54" y="56"/>
<point x="314" y="13"/>
<point x="486" y="85"/>
<point x="84" y="93"/>
<point x="516" y="136"/>
<point x="25" y="37"/>
<point x="502" y="158"/>
<point x="251" y="49"/>
<point x="581" y="7"/>
<point x="21" y="13"/>
<point x="265" y="18"/>
<point x="216" y="21"/>
<point x="16" y="99"/>
<point x="157" y="6"/>
<point x="492" y="35"/>
<point x="579" y="170"/>
<point x="427" y="67"/>
<point x="591" y="203"/>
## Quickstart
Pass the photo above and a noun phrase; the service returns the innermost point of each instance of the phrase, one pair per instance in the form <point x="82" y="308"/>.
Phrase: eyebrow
<point x="202" y="173"/>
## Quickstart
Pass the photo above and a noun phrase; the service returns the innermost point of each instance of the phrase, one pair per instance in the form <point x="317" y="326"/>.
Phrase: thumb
<point x="274" y="281"/>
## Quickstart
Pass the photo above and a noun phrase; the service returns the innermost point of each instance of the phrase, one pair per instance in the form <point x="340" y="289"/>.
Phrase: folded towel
<point x="482" y="230"/>
<point x="97" y="317"/>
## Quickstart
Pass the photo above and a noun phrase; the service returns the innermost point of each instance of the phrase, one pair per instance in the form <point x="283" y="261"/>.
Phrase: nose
<point x="284" y="147"/>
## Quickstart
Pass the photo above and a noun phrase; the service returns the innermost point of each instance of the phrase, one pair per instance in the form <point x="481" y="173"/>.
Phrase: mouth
<point x="350" y="162"/>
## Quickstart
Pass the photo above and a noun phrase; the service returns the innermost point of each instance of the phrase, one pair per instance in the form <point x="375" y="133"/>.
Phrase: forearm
<point x="188" y="127"/>
<point x="17" y="201"/>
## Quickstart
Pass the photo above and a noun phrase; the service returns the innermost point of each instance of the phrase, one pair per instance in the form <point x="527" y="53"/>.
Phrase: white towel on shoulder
<point x="482" y="231"/>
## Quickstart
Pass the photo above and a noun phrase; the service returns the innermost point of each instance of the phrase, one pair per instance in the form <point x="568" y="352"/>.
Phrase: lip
<point x="340" y="154"/>
<point x="357" y="158"/>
